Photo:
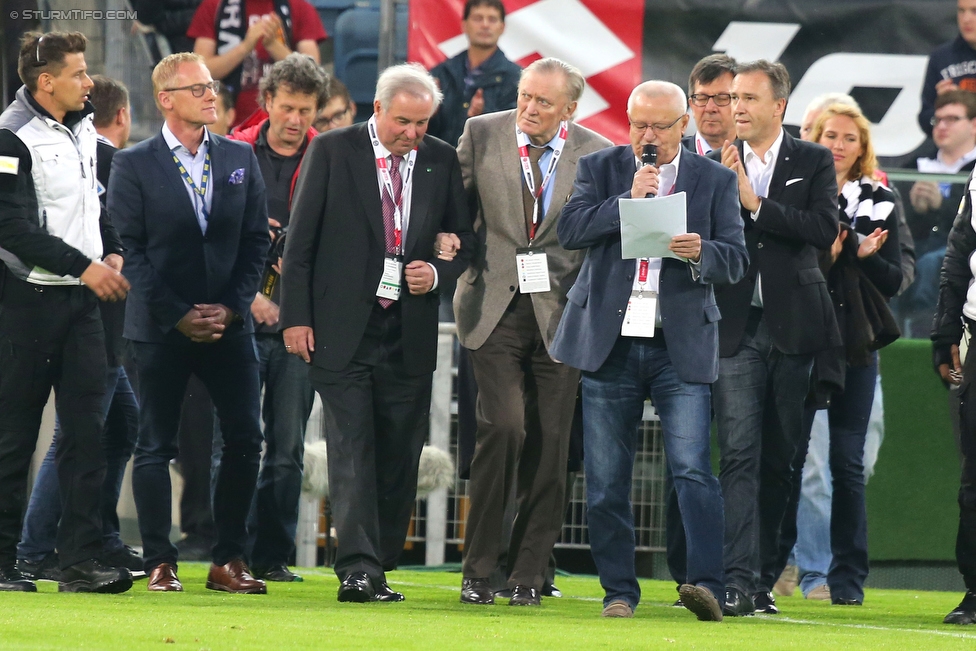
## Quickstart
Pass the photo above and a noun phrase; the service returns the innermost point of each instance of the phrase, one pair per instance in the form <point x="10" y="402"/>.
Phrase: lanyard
<point x="698" y="145"/>
<point x="642" y="276"/>
<point x="401" y="210"/>
<point x="204" y="181"/>
<point x="523" y="146"/>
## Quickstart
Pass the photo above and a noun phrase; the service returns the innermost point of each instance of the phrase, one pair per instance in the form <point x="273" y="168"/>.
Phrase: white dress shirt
<point x="760" y="173"/>
<point x="194" y="167"/>
<point x="668" y="174"/>
<point x="405" y="197"/>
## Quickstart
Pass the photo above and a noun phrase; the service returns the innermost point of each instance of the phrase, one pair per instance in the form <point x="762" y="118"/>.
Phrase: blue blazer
<point x="170" y="263"/>
<point x="596" y="303"/>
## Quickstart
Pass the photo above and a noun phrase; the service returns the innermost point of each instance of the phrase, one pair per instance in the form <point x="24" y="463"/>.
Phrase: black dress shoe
<point x="46" y="569"/>
<point x="92" y="576"/>
<point x="523" y="595"/>
<point x="357" y="588"/>
<point x="477" y="591"/>
<point x="385" y="593"/>
<point x="765" y="603"/>
<point x="737" y="603"/>
<point x="964" y="613"/>
<point x="550" y="590"/>
<point x="841" y="601"/>
<point x="11" y="580"/>
<point x="277" y="573"/>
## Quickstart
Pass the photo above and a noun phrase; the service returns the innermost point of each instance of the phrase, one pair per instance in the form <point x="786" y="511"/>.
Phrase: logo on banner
<point x="603" y="39"/>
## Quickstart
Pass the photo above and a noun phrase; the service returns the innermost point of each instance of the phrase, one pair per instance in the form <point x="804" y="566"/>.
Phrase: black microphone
<point x="649" y="157"/>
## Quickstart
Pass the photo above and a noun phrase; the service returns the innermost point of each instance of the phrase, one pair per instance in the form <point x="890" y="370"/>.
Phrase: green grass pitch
<point x="307" y="616"/>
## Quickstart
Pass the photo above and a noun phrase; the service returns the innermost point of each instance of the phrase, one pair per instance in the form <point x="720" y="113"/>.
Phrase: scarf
<point x="865" y="205"/>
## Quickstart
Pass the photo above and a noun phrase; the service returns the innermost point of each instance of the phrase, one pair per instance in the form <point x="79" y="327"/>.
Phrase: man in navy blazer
<point x="190" y="208"/>
<point x="649" y="328"/>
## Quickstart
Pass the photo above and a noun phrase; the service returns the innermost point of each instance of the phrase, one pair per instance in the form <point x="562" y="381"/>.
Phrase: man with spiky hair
<point x="59" y="258"/>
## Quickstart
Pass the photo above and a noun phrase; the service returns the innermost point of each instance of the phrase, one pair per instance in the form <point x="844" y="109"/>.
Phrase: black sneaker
<point x="92" y="576"/>
<point x="279" y="573"/>
<point x="127" y="558"/>
<point x="11" y="580"/>
<point x="46" y="569"/>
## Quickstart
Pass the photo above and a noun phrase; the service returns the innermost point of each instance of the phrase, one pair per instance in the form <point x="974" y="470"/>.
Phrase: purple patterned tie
<point x="389" y="225"/>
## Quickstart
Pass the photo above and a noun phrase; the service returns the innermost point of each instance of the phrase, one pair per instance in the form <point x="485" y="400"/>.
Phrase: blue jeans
<point x="39" y="534"/>
<point x="613" y="404"/>
<point x="812" y="552"/>
<point x="273" y="520"/>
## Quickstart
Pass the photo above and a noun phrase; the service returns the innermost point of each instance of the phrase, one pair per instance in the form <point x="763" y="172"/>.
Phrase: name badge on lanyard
<point x="390" y="282"/>
<point x="523" y="147"/>
<point x="641" y="312"/>
<point x="533" y="270"/>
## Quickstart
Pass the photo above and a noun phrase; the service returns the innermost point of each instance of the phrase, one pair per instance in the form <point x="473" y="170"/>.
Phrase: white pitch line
<point x="788" y="620"/>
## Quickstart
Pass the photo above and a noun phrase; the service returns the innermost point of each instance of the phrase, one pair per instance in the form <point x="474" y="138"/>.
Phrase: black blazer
<point x="169" y="261"/>
<point x="797" y="218"/>
<point x="335" y="249"/>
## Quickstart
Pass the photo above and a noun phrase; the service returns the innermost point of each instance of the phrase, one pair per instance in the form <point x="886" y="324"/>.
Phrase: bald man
<point x="648" y="328"/>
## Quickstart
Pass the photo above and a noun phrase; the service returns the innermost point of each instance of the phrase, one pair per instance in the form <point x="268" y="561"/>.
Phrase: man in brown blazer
<point x="518" y="169"/>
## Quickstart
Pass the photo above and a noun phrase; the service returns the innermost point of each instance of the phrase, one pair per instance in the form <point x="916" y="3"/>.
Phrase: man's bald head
<point x="659" y="90"/>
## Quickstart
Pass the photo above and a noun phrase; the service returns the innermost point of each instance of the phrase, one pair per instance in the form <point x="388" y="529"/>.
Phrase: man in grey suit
<point x="518" y="168"/>
<point x="649" y="328"/>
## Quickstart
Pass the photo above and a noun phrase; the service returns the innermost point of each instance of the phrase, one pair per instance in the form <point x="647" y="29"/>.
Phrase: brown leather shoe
<point x="163" y="579"/>
<point x="234" y="577"/>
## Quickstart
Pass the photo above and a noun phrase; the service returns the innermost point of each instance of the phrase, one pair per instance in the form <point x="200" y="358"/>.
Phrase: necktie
<point x="535" y="153"/>
<point x="389" y="226"/>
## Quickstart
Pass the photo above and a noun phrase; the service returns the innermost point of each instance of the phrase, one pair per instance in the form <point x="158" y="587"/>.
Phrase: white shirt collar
<point x="771" y="155"/>
<point x="701" y="145"/>
<point x="937" y="165"/>
<point x="174" y="143"/>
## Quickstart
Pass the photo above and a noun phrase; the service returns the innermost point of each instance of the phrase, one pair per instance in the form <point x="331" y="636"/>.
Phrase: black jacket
<point x="954" y="283"/>
<point x="797" y="218"/>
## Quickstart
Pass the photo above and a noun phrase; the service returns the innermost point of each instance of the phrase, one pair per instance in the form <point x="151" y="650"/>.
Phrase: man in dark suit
<point x="672" y="360"/>
<point x="773" y="322"/>
<point x="526" y="400"/>
<point x="359" y="303"/>
<point x="190" y="207"/>
<point x="710" y="100"/>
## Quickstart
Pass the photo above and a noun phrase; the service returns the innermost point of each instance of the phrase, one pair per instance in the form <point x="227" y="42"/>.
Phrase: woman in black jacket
<point x="864" y="272"/>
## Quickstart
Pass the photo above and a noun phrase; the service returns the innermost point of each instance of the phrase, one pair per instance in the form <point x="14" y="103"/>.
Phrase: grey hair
<point x="575" y="82"/>
<point x="820" y="102"/>
<point x="299" y="74"/>
<point x="409" y="78"/>
<point x="655" y="89"/>
<point x="779" y="77"/>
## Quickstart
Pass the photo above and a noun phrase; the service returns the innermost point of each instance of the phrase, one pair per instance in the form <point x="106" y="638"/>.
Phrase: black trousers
<point x="376" y="418"/>
<point x="195" y="458"/>
<point x="52" y="336"/>
<point x="966" y="536"/>
<point x="229" y="370"/>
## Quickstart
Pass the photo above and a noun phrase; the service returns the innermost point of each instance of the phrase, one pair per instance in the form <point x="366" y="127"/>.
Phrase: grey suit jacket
<point x="493" y="180"/>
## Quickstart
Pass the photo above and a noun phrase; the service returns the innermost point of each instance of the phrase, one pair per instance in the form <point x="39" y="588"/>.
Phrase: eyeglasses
<point x="701" y="99"/>
<point x="656" y="128"/>
<point x="38" y="61"/>
<point x="199" y="90"/>
<point x="948" y="119"/>
<point x="333" y="119"/>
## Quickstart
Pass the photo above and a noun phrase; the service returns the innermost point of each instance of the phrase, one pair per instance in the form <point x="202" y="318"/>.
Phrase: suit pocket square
<point x="792" y="181"/>
<point x="237" y="177"/>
